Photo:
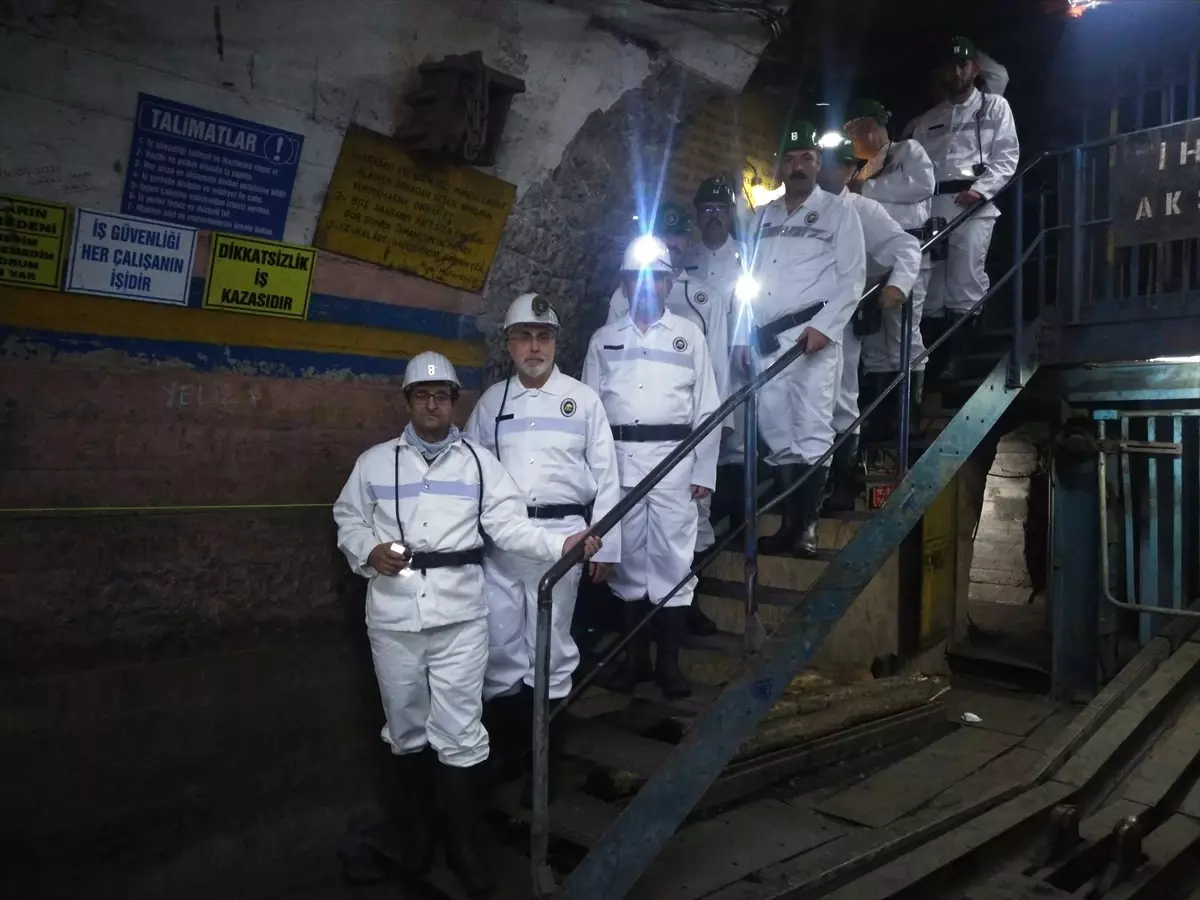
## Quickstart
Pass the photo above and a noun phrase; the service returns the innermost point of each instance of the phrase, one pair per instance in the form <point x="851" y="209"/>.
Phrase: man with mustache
<point x="972" y="140"/>
<point x="893" y="256"/>
<point x="654" y="376"/>
<point x="707" y="307"/>
<point x="411" y="519"/>
<point x="811" y="265"/>
<point x="551" y="433"/>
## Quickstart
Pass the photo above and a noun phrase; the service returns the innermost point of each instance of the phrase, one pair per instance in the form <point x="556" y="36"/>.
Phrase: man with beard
<point x="411" y="519"/>
<point x="888" y="247"/>
<point x="708" y="308"/>
<point x="899" y="176"/>
<point x="972" y="140"/>
<point x="551" y="433"/>
<point x="655" y="378"/>
<point x="811" y="266"/>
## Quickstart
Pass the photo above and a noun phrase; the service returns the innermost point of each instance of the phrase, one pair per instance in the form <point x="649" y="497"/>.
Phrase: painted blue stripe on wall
<point x="22" y="343"/>
<point x="368" y="313"/>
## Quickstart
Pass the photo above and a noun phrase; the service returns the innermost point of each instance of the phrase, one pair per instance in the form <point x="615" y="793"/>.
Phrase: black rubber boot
<point x="781" y="542"/>
<point x="933" y="328"/>
<point x="877" y="426"/>
<point x="729" y="498"/>
<point x="697" y="621"/>
<point x="843" y="474"/>
<point x="361" y="863"/>
<point x="462" y="790"/>
<point x="807" y="503"/>
<point x="410" y="836"/>
<point x="667" y="673"/>
<point x="916" y="397"/>
<point x="508" y="725"/>
<point x="955" y="369"/>
<point x="635" y="667"/>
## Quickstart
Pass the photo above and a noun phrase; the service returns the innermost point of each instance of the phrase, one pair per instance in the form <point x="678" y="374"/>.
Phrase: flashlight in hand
<point x="746" y="289"/>
<point x="402" y="550"/>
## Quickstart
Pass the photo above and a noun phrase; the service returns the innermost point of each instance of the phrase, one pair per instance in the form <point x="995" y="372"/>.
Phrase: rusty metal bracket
<point x="1166" y="448"/>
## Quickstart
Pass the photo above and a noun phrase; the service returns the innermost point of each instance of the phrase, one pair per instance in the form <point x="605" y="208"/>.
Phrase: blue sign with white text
<point x="193" y="167"/>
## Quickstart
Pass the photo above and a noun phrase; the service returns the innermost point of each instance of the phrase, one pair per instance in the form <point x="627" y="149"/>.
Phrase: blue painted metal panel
<point x="1148" y="625"/>
<point x="1074" y="589"/>
<point x="636" y="838"/>
<point x="1130" y="382"/>
<point x="1177" y="600"/>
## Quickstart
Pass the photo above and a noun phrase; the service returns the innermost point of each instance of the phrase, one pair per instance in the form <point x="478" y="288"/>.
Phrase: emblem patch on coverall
<point x="810" y="218"/>
<point x="679" y="344"/>
<point x="701" y="297"/>
<point x="567" y="408"/>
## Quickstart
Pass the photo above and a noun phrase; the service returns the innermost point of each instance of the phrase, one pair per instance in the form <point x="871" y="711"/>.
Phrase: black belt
<point x="918" y="233"/>
<point x="766" y="336"/>
<point x="557" y="511"/>
<point x="446" y="559"/>
<point x="954" y="187"/>
<point x="638" y="434"/>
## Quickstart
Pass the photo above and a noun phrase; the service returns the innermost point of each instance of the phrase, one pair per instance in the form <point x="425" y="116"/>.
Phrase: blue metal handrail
<point x="543" y="881"/>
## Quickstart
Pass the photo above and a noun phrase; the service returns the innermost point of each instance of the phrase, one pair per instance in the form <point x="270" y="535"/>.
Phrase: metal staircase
<point x="677" y="759"/>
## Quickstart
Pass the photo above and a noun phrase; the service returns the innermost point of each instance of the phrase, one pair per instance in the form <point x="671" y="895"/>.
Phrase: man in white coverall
<point x="888" y="247"/>
<point x="899" y="175"/>
<point x="551" y="434"/>
<point x="718" y="259"/>
<point x="972" y="140"/>
<point x="654" y="375"/>
<point x="810" y="263"/>
<point x="411" y="519"/>
<point x="708" y="308"/>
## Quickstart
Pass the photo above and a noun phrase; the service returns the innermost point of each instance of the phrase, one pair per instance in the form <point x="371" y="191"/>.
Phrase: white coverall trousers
<point x="845" y="409"/>
<point x="657" y="539"/>
<point x="959" y="282"/>
<point x="795" y="410"/>
<point x="512" y="586"/>
<point x="431" y="683"/>
<point x="881" y="350"/>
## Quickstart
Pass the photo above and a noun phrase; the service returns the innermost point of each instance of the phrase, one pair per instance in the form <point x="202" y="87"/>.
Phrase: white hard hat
<point x="647" y="254"/>
<point x="529" y="309"/>
<point x="427" y="367"/>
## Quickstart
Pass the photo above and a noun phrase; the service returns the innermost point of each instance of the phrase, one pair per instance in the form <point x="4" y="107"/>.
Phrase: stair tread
<point x="721" y="642"/>
<point x="736" y="590"/>
<point x="574" y="815"/>
<point x="613" y="748"/>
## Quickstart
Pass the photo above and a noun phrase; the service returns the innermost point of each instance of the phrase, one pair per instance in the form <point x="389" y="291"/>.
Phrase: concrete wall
<point x="999" y="572"/>
<point x="186" y="696"/>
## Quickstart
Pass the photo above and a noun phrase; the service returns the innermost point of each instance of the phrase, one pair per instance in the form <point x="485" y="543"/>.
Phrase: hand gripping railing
<point x="543" y="880"/>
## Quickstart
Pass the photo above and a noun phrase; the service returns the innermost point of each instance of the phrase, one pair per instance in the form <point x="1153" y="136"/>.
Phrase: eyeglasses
<point x="440" y="398"/>
<point x="713" y="210"/>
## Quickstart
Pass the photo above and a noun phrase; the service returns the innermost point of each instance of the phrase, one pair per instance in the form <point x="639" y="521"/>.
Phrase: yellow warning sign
<point x="32" y="237"/>
<point x="265" y="278"/>
<point x="441" y="222"/>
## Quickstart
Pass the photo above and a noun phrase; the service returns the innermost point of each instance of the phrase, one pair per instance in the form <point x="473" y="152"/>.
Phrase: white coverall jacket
<point x="428" y="632"/>
<point x="903" y="185"/>
<point x="708" y="307"/>
<point x="722" y="268"/>
<point x="958" y="137"/>
<point x="661" y="377"/>
<point x="556" y="444"/>
<point x="888" y="246"/>
<point x="813" y="255"/>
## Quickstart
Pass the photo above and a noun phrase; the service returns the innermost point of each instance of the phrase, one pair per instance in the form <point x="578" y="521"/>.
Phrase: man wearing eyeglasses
<point x="551" y="433"/>
<point x="411" y="519"/>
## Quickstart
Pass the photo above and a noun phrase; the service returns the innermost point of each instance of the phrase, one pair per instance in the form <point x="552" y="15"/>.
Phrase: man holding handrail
<point x="893" y="256"/>
<point x="551" y="433"/>
<point x="810" y="264"/>
<point x="411" y="519"/>
<point x="899" y="176"/>
<point x="654" y="375"/>
<point x="972" y="140"/>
